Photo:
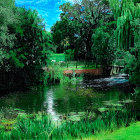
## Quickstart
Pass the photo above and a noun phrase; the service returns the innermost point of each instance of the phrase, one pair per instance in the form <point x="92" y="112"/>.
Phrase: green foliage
<point x="131" y="61"/>
<point x="102" y="49"/>
<point x="69" y="54"/>
<point x="137" y="91"/>
<point x="31" y="40"/>
<point x="86" y="30"/>
<point x="63" y="35"/>
<point x="24" y="44"/>
<point x="40" y="125"/>
<point x="77" y="23"/>
<point x="132" y="67"/>
<point x="57" y="57"/>
<point x="8" y="21"/>
<point x="127" y="14"/>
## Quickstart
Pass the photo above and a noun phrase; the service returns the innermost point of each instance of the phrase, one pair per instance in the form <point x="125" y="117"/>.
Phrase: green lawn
<point x="79" y="67"/>
<point x="61" y="63"/>
<point x="125" y="133"/>
<point x="57" y="57"/>
<point x="72" y="67"/>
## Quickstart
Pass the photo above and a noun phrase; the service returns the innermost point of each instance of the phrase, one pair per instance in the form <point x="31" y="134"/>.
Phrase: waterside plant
<point x="41" y="126"/>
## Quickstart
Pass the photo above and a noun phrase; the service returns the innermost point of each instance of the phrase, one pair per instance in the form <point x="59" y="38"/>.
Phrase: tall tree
<point x="23" y="46"/>
<point x="82" y="18"/>
<point x="127" y="14"/>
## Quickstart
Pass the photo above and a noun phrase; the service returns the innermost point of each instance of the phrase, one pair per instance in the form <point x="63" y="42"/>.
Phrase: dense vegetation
<point x="104" y="32"/>
<point x="40" y="126"/>
<point x="100" y="31"/>
<point x="23" y="46"/>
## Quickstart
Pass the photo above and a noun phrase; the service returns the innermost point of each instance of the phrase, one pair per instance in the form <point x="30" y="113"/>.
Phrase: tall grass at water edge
<point x="41" y="126"/>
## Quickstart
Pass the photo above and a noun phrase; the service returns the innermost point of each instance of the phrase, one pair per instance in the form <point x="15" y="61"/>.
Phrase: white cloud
<point x="22" y="1"/>
<point x="40" y="1"/>
<point x="73" y="1"/>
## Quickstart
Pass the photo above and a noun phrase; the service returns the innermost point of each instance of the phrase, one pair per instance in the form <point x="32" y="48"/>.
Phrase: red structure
<point x="91" y="71"/>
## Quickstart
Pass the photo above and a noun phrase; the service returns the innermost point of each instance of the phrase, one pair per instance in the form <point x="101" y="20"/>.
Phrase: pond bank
<point x="124" y="133"/>
<point x="40" y="126"/>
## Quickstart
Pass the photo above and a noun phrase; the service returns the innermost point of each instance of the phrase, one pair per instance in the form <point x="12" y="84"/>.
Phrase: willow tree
<point x="127" y="14"/>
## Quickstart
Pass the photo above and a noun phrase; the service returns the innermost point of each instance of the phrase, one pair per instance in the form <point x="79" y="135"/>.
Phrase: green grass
<point x="73" y="65"/>
<point x="79" y="67"/>
<point x="57" y="57"/>
<point x="57" y="68"/>
<point x="124" y="133"/>
<point x="70" y="65"/>
<point x="40" y="126"/>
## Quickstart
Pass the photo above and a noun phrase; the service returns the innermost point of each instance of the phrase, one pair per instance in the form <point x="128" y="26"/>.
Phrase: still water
<point x="77" y="96"/>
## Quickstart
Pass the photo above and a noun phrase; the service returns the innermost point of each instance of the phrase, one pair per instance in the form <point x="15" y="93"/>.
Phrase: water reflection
<point x="83" y="96"/>
<point x="49" y="103"/>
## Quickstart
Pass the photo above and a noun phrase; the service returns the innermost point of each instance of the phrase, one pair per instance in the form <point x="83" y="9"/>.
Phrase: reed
<point x="41" y="126"/>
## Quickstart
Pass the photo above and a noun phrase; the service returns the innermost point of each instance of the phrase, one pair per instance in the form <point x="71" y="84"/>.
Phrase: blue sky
<point x="48" y="9"/>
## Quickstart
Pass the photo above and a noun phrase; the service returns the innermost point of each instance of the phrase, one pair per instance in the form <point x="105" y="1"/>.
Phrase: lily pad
<point x="81" y="113"/>
<point x="17" y="109"/>
<point x="72" y="113"/>
<point x="74" y="118"/>
<point x="109" y="103"/>
<point x="103" y="109"/>
<point x="127" y="101"/>
<point x="117" y="105"/>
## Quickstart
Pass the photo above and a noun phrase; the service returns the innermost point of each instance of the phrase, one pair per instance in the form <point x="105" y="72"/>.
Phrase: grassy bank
<point x="72" y="65"/>
<point x="40" y="126"/>
<point x="55" y="70"/>
<point x="59" y="60"/>
<point x="124" y="133"/>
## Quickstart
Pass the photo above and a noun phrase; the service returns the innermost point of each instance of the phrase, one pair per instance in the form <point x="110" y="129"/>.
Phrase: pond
<point x="86" y="95"/>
